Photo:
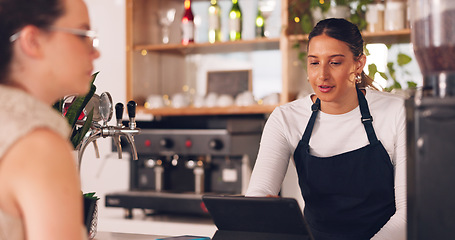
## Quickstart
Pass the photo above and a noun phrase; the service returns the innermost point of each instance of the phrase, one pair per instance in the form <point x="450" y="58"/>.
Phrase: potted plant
<point x="74" y="111"/>
<point x="90" y="213"/>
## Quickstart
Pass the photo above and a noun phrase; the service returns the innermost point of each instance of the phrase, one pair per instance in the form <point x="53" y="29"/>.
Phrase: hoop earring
<point x="358" y="79"/>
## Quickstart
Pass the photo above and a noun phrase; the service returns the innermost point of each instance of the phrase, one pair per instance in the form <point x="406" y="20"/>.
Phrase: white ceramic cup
<point x="271" y="99"/>
<point x="198" y="101"/>
<point x="245" y="99"/>
<point x="180" y="100"/>
<point x="225" y="100"/>
<point x="154" y="101"/>
<point x="211" y="99"/>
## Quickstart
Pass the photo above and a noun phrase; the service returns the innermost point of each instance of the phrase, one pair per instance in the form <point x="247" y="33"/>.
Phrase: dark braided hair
<point x="16" y="14"/>
<point x="345" y="31"/>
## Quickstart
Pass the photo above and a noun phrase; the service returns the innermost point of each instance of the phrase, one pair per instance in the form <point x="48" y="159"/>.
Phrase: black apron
<point x="350" y="195"/>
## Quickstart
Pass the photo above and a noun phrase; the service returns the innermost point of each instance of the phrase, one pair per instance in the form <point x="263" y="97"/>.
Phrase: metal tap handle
<point x="132" y="113"/>
<point x="131" y="109"/>
<point x="119" y="113"/>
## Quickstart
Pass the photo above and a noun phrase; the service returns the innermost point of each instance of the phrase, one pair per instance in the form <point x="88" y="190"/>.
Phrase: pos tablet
<point x="238" y="217"/>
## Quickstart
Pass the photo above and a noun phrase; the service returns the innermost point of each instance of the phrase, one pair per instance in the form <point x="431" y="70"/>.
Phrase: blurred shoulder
<point x="41" y="148"/>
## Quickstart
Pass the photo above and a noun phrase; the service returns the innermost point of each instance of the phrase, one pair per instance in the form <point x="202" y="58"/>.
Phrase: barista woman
<point x="45" y="53"/>
<point x="347" y="141"/>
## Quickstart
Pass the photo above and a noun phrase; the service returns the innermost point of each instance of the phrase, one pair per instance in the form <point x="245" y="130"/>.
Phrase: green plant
<point x="359" y="9"/>
<point x="90" y="213"/>
<point x="300" y="12"/>
<point x="73" y="112"/>
<point x="90" y="195"/>
<point x="402" y="60"/>
<point x="301" y="18"/>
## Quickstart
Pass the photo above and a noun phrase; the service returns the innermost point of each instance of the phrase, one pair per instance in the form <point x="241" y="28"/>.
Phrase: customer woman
<point x="347" y="141"/>
<point x="45" y="53"/>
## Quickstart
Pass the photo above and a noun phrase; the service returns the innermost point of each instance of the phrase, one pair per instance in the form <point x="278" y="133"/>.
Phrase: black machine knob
<point x="119" y="111"/>
<point x="166" y="143"/>
<point x="216" y="144"/>
<point x="131" y="109"/>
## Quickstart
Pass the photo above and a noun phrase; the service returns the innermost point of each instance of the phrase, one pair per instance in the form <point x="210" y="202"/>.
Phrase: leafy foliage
<point x="402" y="60"/>
<point x="301" y="19"/>
<point x="75" y="110"/>
<point x="90" y="195"/>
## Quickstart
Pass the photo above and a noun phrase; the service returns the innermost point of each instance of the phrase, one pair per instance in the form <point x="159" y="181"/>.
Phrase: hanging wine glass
<point x="266" y="7"/>
<point x="166" y="18"/>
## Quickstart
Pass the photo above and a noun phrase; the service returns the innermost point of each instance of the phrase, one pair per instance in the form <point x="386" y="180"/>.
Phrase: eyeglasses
<point x="91" y="35"/>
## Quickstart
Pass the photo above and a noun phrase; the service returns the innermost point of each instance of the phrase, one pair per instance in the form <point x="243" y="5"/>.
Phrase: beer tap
<point x="96" y="130"/>
<point x="118" y="114"/>
<point x="132" y="130"/>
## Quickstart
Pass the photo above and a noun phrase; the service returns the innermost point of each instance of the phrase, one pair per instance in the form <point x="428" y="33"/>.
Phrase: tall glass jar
<point x="395" y="15"/>
<point x="375" y="16"/>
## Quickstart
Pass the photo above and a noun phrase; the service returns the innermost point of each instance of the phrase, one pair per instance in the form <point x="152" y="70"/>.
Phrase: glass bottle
<point x="260" y="22"/>
<point x="187" y="24"/>
<point x="214" y="22"/>
<point x="235" y="22"/>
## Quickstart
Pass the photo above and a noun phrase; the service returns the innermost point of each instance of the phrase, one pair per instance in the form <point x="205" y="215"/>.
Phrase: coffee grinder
<point x="431" y="123"/>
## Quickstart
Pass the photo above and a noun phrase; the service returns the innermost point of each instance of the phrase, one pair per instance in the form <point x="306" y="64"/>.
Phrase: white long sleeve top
<point x="332" y="135"/>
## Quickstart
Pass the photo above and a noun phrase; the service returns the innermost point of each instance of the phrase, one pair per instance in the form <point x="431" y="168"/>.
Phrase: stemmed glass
<point x="166" y="18"/>
<point x="266" y="7"/>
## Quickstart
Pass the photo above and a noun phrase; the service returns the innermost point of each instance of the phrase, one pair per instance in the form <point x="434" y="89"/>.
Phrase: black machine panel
<point x="180" y="159"/>
<point x="431" y="168"/>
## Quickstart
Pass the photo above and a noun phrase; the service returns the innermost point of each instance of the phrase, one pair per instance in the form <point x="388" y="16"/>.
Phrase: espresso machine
<point x="181" y="158"/>
<point x="431" y="123"/>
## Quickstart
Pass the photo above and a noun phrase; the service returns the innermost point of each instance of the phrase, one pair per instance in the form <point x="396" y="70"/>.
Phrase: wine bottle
<point x="235" y="22"/>
<point x="214" y="22"/>
<point x="260" y="25"/>
<point x="187" y="24"/>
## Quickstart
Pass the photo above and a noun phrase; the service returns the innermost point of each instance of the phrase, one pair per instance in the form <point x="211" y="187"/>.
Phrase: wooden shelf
<point x="231" y="110"/>
<point x="387" y="37"/>
<point x="221" y="47"/>
<point x="152" y="67"/>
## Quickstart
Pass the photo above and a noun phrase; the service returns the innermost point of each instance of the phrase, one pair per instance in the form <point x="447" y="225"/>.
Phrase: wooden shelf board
<point x="193" y="48"/>
<point x="231" y="110"/>
<point x="371" y="37"/>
